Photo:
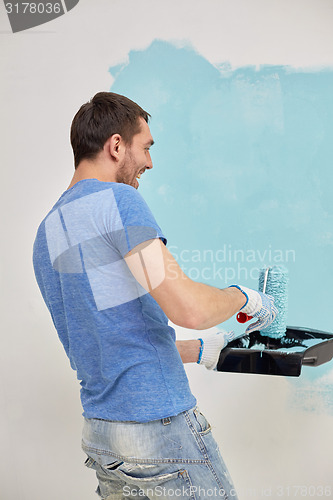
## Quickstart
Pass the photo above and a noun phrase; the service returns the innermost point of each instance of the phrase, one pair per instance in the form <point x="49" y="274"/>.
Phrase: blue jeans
<point x="173" y="458"/>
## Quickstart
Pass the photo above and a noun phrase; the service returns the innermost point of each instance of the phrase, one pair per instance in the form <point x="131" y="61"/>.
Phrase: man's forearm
<point x="214" y="306"/>
<point x="190" y="304"/>
<point x="185" y="302"/>
<point x="189" y="350"/>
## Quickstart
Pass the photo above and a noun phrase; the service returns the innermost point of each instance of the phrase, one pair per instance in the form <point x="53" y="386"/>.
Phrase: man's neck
<point x="92" y="170"/>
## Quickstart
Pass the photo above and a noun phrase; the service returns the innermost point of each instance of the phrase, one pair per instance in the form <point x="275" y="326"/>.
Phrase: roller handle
<point x="243" y="317"/>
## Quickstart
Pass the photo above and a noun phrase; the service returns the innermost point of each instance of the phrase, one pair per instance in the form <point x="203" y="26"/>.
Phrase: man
<point x="110" y="284"/>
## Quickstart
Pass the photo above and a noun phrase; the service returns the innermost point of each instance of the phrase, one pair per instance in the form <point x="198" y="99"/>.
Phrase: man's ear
<point x="114" y="146"/>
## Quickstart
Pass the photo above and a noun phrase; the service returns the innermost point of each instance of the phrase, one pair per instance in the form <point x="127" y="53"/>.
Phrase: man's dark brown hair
<point x="97" y="120"/>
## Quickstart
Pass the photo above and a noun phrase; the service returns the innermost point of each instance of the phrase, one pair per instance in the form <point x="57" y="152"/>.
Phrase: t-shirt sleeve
<point x="138" y="222"/>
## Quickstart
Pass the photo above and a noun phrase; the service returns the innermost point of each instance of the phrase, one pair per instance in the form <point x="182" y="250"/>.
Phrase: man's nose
<point x="149" y="163"/>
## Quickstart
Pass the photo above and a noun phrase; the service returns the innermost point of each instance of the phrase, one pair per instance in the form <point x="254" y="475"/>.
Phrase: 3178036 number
<point x="33" y="8"/>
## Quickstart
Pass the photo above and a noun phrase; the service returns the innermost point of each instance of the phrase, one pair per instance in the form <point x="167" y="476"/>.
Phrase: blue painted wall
<point x="243" y="171"/>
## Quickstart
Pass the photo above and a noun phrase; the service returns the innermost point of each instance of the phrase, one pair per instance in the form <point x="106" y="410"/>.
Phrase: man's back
<point x="116" y="336"/>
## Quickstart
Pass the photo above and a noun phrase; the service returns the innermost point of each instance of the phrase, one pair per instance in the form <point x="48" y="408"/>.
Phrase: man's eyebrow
<point x="150" y="143"/>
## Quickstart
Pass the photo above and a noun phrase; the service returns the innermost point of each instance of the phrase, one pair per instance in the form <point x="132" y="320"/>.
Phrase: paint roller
<point x="273" y="281"/>
<point x="277" y="349"/>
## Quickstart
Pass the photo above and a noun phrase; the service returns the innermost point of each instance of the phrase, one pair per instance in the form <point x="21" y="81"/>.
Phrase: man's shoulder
<point x="128" y="196"/>
<point x="125" y="190"/>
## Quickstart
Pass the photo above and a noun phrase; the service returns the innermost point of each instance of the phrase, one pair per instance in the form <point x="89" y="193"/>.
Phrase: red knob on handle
<point x="243" y="317"/>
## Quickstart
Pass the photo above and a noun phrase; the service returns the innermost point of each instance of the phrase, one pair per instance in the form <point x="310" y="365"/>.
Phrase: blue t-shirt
<point x="115" y="334"/>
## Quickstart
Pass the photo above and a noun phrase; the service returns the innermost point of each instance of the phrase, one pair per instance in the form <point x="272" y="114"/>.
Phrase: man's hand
<point x="258" y="305"/>
<point x="212" y="346"/>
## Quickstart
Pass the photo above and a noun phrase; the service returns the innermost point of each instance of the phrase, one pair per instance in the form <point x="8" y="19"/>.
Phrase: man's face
<point x="137" y="157"/>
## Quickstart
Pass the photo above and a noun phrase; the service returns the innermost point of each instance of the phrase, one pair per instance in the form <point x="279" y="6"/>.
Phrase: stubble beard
<point x="126" y="173"/>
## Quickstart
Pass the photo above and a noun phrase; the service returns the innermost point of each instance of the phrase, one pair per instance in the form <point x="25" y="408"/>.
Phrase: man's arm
<point x="195" y="305"/>
<point x="185" y="302"/>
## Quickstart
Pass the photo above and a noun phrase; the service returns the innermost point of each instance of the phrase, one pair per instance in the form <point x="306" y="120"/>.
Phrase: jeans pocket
<point x="113" y="465"/>
<point x="203" y="426"/>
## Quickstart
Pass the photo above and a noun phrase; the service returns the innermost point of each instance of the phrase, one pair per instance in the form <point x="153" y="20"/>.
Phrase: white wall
<point x="47" y="73"/>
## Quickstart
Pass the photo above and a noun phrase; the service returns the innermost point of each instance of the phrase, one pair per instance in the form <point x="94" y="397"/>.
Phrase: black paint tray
<point x="256" y="353"/>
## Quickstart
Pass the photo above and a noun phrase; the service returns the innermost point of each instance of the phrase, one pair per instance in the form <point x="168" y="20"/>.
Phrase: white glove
<point x="211" y="347"/>
<point x="258" y="305"/>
